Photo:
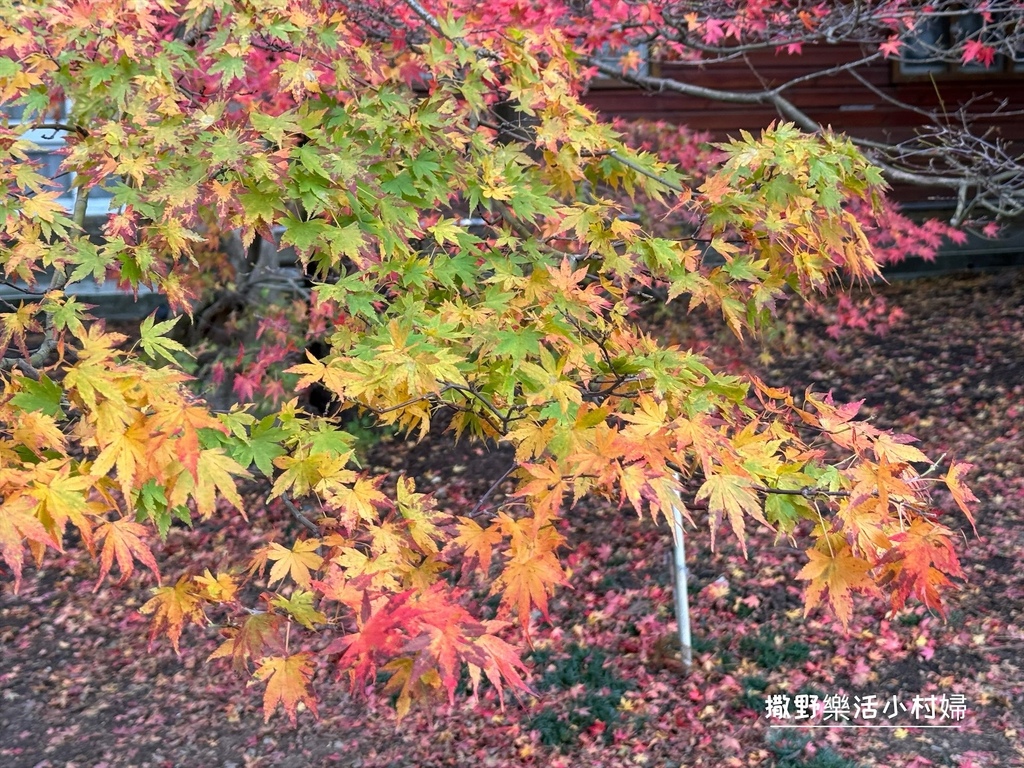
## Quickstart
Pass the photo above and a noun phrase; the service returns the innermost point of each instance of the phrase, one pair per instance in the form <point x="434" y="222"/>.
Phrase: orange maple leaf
<point x="503" y="663"/>
<point x="288" y="684"/>
<point x="123" y="541"/>
<point x="478" y="542"/>
<point x="962" y="495"/>
<point x="918" y="567"/>
<point x="172" y="607"/>
<point x="185" y="419"/>
<point x="835" y="575"/>
<point x="17" y="523"/>
<point x="532" y="569"/>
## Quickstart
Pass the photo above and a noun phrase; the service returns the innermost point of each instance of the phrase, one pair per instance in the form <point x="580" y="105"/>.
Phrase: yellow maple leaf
<point x="361" y="499"/>
<point x="420" y="515"/>
<point x="648" y="419"/>
<point x="731" y="495"/>
<point x="221" y="588"/>
<point x="892" y="448"/>
<point x="295" y="562"/>
<point x="129" y="451"/>
<point x="288" y="683"/>
<point x="62" y="498"/>
<point x="216" y="472"/>
<point x="303" y="471"/>
<point x="532" y="439"/>
<point x="38" y="431"/>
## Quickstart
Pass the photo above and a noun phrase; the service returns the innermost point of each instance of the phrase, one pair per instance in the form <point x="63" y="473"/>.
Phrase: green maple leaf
<point x="153" y="341"/>
<point x="299" y="605"/>
<point x="43" y="395"/>
<point x="264" y="446"/>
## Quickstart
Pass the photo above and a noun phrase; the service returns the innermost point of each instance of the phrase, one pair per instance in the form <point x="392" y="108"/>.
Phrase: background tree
<point x="362" y="136"/>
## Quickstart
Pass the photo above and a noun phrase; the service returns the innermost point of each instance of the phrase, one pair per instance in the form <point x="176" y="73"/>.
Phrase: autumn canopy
<point x="477" y="266"/>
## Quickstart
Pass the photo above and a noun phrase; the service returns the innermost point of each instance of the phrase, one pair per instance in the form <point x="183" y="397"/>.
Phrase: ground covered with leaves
<point x="78" y="686"/>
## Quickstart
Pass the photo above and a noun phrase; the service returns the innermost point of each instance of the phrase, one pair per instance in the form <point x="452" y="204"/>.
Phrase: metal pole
<point x="682" y="596"/>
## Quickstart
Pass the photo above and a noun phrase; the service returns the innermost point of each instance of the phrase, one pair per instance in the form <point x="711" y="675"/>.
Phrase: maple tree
<point x="365" y="137"/>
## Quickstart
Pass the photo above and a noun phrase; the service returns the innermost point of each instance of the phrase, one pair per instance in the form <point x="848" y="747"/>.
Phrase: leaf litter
<point x="79" y="688"/>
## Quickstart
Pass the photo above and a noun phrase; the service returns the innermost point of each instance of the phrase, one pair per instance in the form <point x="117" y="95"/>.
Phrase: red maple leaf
<point x="975" y="50"/>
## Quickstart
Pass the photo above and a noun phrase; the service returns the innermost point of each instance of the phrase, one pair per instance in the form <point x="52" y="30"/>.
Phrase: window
<point x="49" y="142"/>
<point x="937" y="45"/>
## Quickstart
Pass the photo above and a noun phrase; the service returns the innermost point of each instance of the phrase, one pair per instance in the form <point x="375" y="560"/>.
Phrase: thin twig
<point x="483" y="499"/>
<point x="297" y="514"/>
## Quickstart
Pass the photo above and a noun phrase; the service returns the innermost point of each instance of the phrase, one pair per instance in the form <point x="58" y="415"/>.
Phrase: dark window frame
<point x="946" y="32"/>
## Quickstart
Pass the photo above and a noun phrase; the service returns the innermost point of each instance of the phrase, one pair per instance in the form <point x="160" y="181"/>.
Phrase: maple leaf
<point x="420" y="516"/>
<point x="153" y="340"/>
<point x="443" y="643"/>
<point x="649" y="419"/>
<point x="918" y="567"/>
<point x="835" y="576"/>
<point x="172" y="607"/>
<point x="361" y="499"/>
<point x="129" y="451"/>
<point x="382" y="632"/>
<point x="304" y="471"/>
<point x="894" y="448"/>
<point x="250" y="641"/>
<point x="976" y="50"/>
<point x="17" y="523"/>
<point x="122" y="540"/>
<point x="962" y="495"/>
<point x="288" y="684"/>
<point x="43" y="395"/>
<point x="478" y="542"/>
<point x="63" y="498"/>
<point x="299" y="605"/>
<point x="547" y="487"/>
<point x="184" y="420"/>
<point x="407" y="685"/>
<point x="216" y="471"/>
<point x="503" y="663"/>
<point x="731" y="495"/>
<point x="526" y="581"/>
<point x="221" y="588"/>
<point x="295" y="562"/>
<point x="891" y="47"/>
<point x="336" y="586"/>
